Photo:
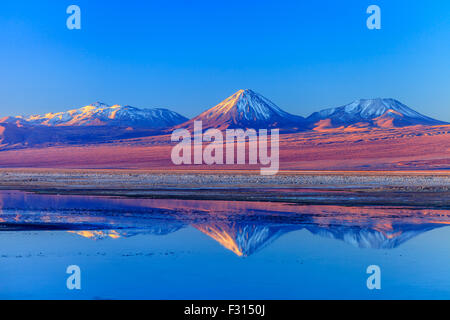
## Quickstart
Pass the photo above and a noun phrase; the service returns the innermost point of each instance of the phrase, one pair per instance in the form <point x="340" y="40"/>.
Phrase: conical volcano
<point x="247" y="109"/>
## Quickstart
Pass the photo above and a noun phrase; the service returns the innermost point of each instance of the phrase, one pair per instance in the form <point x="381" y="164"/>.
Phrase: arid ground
<point x="397" y="149"/>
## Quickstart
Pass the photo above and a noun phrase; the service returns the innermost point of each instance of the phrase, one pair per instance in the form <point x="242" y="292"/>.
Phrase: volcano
<point x="92" y="124"/>
<point x="382" y="113"/>
<point x="247" y="109"/>
<point x="101" y="114"/>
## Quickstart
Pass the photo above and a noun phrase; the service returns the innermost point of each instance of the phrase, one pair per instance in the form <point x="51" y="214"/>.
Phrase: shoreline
<point x="137" y="179"/>
<point x="437" y="172"/>
<point x="415" y="189"/>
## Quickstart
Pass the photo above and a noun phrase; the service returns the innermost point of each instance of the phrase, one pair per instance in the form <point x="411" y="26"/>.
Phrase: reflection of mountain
<point x="372" y="238"/>
<point x="241" y="227"/>
<point x="247" y="239"/>
<point x="98" y="235"/>
<point x="242" y="238"/>
<point x="160" y="229"/>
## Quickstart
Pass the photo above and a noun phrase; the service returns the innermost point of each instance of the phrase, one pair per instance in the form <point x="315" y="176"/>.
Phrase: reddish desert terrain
<point x="352" y="148"/>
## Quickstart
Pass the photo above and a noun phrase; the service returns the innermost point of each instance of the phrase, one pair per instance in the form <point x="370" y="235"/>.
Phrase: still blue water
<point x="185" y="249"/>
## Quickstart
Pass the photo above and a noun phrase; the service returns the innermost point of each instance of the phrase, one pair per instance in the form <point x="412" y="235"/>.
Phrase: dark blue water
<point x="180" y="249"/>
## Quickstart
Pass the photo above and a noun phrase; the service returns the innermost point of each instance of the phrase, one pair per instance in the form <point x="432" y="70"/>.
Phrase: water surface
<point x="190" y="249"/>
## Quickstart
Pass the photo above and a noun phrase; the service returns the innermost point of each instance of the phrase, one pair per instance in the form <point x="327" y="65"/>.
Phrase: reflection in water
<point x="242" y="227"/>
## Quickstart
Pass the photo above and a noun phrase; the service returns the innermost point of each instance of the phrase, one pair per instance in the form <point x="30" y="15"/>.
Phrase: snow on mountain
<point x="247" y="109"/>
<point x="244" y="109"/>
<point x="90" y="124"/>
<point x="375" y="112"/>
<point x="245" y="239"/>
<point x="242" y="238"/>
<point x="371" y="237"/>
<point x="100" y="114"/>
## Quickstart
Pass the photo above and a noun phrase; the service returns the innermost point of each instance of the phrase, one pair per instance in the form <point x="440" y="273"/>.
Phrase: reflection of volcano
<point x="98" y="235"/>
<point x="372" y="238"/>
<point x="247" y="239"/>
<point x="242" y="227"/>
<point x="243" y="239"/>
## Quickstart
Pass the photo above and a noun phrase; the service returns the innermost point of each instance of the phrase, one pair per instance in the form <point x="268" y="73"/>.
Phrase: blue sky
<point x="190" y="55"/>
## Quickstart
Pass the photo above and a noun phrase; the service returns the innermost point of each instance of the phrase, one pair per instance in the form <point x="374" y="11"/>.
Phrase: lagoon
<point x="189" y="249"/>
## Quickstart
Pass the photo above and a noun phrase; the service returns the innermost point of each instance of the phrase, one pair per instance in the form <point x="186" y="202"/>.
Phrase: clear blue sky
<point x="190" y="55"/>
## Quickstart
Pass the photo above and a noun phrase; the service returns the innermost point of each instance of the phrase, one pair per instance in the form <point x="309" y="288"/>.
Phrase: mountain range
<point x="244" y="228"/>
<point x="245" y="239"/>
<point x="100" y="114"/>
<point x="244" y="109"/>
<point x="96" y="123"/>
<point x="369" y="134"/>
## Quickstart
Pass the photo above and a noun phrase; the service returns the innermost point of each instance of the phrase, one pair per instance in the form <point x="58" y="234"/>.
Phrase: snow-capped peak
<point x="364" y="110"/>
<point x="250" y="105"/>
<point x="246" y="108"/>
<point x="101" y="114"/>
<point x="369" y="108"/>
<point x="99" y="104"/>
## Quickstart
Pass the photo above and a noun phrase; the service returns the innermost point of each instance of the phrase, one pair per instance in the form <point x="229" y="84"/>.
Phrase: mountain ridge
<point x="101" y="114"/>
<point x="244" y="109"/>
